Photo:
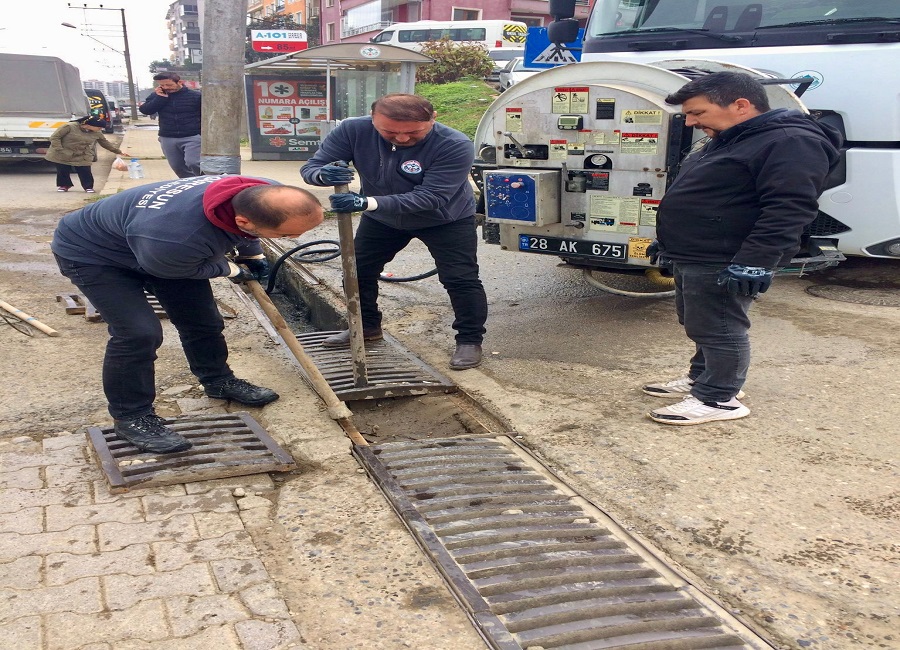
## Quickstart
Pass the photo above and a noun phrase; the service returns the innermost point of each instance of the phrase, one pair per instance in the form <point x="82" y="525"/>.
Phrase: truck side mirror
<point x="562" y="31"/>
<point x="561" y="9"/>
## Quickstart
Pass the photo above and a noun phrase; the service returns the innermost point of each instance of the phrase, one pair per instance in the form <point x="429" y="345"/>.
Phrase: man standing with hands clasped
<point x="414" y="174"/>
<point x="179" y="122"/>
<point x="733" y="215"/>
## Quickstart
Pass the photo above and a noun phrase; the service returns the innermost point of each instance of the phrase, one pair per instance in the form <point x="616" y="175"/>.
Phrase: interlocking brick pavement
<point x="170" y="567"/>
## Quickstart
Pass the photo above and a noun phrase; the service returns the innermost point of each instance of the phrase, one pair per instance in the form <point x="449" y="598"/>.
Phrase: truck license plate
<point x="572" y="247"/>
<point x="6" y="150"/>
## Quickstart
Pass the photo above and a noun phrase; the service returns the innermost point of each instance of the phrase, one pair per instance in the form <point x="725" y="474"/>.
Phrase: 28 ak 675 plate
<point x="573" y="247"/>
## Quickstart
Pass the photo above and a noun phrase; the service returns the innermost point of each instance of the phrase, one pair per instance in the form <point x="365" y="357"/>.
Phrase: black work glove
<point x="336" y="173"/>
<point x="242" y="276"/>
<point x="653" y="252"/>
<point x="743" y="280"/>
<point x="348" y="202"/>
<point x="258" y="266"/>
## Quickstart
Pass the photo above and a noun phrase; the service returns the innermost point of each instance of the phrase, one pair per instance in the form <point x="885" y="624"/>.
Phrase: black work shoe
<point x="241" y="391"/>
<point x="343" y="338"/>
<point x="149" y="433"/>
<point x="467" y="355"/>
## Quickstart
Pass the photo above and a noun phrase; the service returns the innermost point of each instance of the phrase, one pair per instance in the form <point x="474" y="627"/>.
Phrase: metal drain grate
<point x="392" y="371"/>
<point x="224" y="445"/>
<point x="534" y="564"/>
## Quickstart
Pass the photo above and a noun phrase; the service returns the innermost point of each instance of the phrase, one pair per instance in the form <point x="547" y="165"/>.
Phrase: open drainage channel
<point x="534" y="565"/>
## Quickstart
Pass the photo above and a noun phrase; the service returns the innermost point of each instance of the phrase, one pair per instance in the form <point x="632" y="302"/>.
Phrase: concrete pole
<point x="132" y="90"/>
<point x="224" y="34"/>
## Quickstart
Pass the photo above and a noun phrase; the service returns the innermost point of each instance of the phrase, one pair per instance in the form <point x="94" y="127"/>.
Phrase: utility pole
<point x="132" y="95"/>
<point x="223" y="81"/>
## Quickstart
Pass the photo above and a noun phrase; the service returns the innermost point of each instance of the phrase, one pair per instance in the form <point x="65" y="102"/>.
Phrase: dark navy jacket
<point x="747" y="195"/>
<point x="179" y="113"/>
<point x="420" y="186"/>
<point x="158" y="229"/>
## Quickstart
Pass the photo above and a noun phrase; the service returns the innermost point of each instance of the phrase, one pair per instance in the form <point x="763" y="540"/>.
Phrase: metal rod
<point x="351" y="293"/>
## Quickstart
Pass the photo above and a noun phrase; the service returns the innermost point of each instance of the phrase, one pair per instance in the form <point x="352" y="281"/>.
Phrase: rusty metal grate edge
<point x="233" y="444"/>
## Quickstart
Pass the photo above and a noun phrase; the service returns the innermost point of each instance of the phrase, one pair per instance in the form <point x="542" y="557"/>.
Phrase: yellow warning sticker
<point x="514" y="120"/>
<point x="637" y="247"/>
<point x="642" y="117"/>
<point x="515" y="33"/>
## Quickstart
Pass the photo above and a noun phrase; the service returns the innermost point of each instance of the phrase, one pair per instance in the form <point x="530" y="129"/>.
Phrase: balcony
<point x="353" y="31"/>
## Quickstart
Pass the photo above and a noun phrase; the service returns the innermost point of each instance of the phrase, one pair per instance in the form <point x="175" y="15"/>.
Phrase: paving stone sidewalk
<point x="169" y="567"/>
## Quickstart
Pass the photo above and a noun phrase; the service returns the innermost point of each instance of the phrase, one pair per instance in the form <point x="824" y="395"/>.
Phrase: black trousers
<point x="135" y="332"/>
<point x="64" y="175"/>
<point x="454" y="249"/>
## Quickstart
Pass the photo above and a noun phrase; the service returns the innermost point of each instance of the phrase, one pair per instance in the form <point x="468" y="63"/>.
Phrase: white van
<point x="492" y="34"/>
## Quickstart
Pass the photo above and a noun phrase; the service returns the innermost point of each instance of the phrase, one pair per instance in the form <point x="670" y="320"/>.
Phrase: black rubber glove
<point x="242" y="276"/>
<point x="336" y="173"/>
<point x="348" y="202"/>
<point x="258" y="266"/>
<point x="743" y="280"/>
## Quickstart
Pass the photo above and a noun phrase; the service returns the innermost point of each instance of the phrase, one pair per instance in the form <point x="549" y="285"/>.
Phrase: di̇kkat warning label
<point x="558" y="149"/>
<point x="614" y="214"/>
<point x="571" y="99"/>
<point x="642" y="117"/>
<point x="644" y="143"/>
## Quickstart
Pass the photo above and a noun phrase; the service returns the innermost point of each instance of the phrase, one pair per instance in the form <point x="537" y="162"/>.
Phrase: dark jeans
<point x="454" y="249"/>
<point x="136" y="333"/>
<point x="64" y="175"/>
<point x="717" y="322"/>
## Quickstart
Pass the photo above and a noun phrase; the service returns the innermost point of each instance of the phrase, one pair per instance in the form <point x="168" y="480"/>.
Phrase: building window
<point x="531" y="21"/>
<point x="466" y="14"/>
<point x="329" y="32"/>
<point x="329" y="3"/>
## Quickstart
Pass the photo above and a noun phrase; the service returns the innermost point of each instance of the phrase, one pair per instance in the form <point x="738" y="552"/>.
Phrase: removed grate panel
<point x="534" y="564"/>
<point x="392" y="371"/>
<point x="233" y="444"/>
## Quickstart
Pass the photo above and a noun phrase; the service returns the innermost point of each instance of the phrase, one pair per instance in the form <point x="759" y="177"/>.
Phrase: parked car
<point x="514" y="72"/>
<point x="501" y="57"/>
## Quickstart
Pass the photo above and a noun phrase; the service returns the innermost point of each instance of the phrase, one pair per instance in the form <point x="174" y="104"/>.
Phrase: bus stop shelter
<point x="294" y="100"/>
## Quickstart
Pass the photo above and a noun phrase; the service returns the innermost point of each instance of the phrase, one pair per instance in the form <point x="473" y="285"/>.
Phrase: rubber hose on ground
<point x="594" y="282"/>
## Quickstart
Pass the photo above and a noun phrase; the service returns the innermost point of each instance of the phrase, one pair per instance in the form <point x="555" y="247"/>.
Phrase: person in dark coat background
<point x="733" y="215"/>
<point x="179" y="122"/>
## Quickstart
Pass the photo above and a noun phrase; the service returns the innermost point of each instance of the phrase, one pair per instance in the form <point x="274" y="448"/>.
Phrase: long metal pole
<point x="132" y="94"/>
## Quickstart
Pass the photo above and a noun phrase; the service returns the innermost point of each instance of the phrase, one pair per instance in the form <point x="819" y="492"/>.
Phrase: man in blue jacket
<point x="414" y="174"/>
<point x="172" y="237"/>
<point x="179" y="122"/>
<point x="734" y="214"/>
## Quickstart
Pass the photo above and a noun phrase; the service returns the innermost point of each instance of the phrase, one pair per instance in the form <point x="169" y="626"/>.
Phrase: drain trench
<point x="533" y="564"/>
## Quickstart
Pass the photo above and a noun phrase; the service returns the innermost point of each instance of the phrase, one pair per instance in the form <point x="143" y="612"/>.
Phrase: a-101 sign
<point x="278" y="42"/>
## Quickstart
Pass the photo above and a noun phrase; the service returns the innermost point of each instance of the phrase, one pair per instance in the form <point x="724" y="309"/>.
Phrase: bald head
<point x="276" y="211"/>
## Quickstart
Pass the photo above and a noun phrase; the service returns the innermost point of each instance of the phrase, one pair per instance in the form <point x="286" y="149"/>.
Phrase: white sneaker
<point x="676" y="388"/>
<point x="690" y="410"/>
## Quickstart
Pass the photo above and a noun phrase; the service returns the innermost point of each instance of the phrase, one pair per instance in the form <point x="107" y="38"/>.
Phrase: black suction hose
<point x="323" y="255"/>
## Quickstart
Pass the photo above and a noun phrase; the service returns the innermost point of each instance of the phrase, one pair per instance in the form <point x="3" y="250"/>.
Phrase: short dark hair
<point x="257" y="205"/>
<point x="723" y="89"/>
<point x="171" y="76"/>
<point x="404" y="108"/>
